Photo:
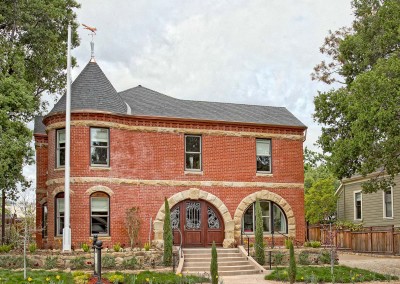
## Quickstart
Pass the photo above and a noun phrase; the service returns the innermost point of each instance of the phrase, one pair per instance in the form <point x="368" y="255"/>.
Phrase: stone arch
<point x="266" y="195"/>
<point x="195" y="194"/>
<point x="59" y="189"/>
<point x="102" y="188"/>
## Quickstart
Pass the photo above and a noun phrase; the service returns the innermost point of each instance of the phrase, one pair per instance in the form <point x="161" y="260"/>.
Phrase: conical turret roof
<point x="92" y="91"/>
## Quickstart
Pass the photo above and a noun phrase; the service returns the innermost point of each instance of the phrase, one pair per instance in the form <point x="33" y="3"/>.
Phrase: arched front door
<point x="199" y="222"/>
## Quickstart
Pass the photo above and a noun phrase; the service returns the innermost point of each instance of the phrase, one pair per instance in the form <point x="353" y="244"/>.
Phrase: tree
<point x="132" y="222"/>
<point x="214" y="264"/>
<point x="292" y="264"/>
<point x="361" y="118"/>
<point x="167" y="235"/>
<point x="259" y="235"/>
<point x="33" y="46"/>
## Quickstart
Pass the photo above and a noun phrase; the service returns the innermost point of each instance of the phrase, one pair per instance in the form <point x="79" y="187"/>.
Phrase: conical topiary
<point x="292" y="264"/>
<point x="167" y="235"/>
<point x="259" y="235"/>
<point x="214" y="264"/>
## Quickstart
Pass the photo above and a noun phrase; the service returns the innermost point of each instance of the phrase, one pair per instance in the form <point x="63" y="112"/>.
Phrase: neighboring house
<point x="136" y="147"/>
<point x="381" y="208"/>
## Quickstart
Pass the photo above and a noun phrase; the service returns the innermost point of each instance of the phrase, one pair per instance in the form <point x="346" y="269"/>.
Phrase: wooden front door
<point x="199" y="223"/>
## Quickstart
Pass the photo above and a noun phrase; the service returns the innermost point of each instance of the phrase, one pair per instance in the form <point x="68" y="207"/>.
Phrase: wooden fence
<point x="382" y="240"/>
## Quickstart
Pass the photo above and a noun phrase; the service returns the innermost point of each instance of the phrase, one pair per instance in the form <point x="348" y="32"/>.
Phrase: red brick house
<point x="134" y="148"/>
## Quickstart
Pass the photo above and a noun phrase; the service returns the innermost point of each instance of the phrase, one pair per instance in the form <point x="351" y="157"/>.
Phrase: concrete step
<point x="225" y="273"/>
<point x="220" y="263"/>
<point x="220" y="255"/>
<point x="208" y="251"/>
<point x="220" y="268"/>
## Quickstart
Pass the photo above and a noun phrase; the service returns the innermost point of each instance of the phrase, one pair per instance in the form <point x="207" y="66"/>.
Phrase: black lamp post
<point x="97" y="256"/>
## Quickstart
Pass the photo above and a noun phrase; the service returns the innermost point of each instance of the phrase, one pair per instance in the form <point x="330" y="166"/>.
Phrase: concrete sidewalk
<point x="247" y="279"/>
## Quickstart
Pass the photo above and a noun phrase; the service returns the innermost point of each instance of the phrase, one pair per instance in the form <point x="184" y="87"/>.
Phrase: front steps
<point x="230" y="262"/>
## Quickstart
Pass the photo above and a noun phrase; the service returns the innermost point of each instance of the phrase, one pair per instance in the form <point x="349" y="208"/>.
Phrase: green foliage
<point x="278" y="258"/>
<point x="117" y="247"/>
<point x="322" y="274"/>
<point x="167" y="235"/>
<point x="9" y="261"/>
<point x="313" y="244"/>
<point x="50" y="262"/>
<point x="132" y="222"/>
<point x="108" y="261"/>
<point x="361" y="125"/>
<point x="324" y="257"/>
<point x="304" y="258"/>
<point x="85" y="247"/>
<point x="78" y="262"/>
<point x="38" y="277"/>
<point x="130" y="263"/>
<point x="259" y="236"/>
<point x="348" y="225"/>
<point x="80" y="277"/>
<point x="146" y="246"/>
<point x="116" y="278"/>
<point x="292" y="264"/>
<point x="5" y="248"/>
<point x="32" y="247"/>
<point x="214" y="264"/>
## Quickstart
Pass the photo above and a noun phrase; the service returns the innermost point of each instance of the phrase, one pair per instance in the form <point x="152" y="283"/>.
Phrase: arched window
<point x="100" y="213"/>
<point x="59" y="213"/>
<point x="274" y="219"/>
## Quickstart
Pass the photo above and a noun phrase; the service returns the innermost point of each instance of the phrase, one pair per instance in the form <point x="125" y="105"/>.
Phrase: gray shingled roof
<point x="146" y="102"/>
<point x="39" y="127"/>
<point x="92" y="91"/>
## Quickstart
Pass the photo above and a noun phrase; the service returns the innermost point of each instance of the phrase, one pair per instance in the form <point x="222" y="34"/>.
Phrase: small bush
<point x="287" y="243"/>
<point x="214" y="264"/>
<point x="50" y="262"/>
<point x="117" y="247"/>
<point x="278" y="258"/>
<point x="304" y="258"/>
<point x="85" y="247"/>
<point x="78" y="262"/>
<point x="325" y="257"/>
<point x="80" y="277"/>
<point x="292" y="264"/>
<point x="146" y="246"/>
<point x="315" y="244"/>
<point x="116" y="278"/>
<point x="130" y="263"/>
<point x="108" y="261"/>
<point x="32" y="247"/>
<point x="5" y="248"/>
<point x="12" y="262"/>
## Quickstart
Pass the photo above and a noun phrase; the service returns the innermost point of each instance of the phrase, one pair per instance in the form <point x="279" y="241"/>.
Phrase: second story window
<point x="99" y="147"/>
<point x="193" y="152"/>
<point x="263" y="149"/>
<point x="60" y="148"/>
<point x="357" y="205"/>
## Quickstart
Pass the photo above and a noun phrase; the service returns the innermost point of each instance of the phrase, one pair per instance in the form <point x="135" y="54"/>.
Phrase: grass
<point x="158" y="278"/>
<point x="317" y="274"/>
<point x="36" y="276"/>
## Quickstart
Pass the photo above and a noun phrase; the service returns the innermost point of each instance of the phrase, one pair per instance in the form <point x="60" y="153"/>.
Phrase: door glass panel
<point x="175" y="214"/>
<point x="213" y="221"/>
<point x="193" y="215"/>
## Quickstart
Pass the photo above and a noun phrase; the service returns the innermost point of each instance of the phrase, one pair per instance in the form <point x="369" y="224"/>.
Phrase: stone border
<point x="265" y="195"/>
<point x="195" y="194"/>
<point x="60" y="189"/>
<point x="102" y="188"/>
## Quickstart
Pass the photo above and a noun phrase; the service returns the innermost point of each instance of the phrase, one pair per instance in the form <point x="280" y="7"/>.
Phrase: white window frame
<point x="58" y="148"/>
<point x="384" y="203"/>
<point x="106" y="147"/>
<point x="94" y="215"/>
<point x="200" y="153"/>
<point x="355" y="205"/>
<point x="270" y="155"/>
<point x="58" y="216"/>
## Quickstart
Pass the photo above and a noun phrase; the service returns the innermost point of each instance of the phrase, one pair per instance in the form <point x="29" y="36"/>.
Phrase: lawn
<point x="35" y="276"/>
<point x="317" y="274"/>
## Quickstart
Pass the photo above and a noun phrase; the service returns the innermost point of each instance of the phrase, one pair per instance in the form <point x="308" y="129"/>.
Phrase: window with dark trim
<point x="100" y="213"/>
<point x="388" y="203"/>
<point x="59" y="213"/>
<point x="44" y="220"/>
<point x="273" y="220"/>
<point x="60" y="148"/>
<point x="263" y="155"/>
<point x="99" y="147"/>
<point x="193" y="152"/>
<point x="358" y="205"/>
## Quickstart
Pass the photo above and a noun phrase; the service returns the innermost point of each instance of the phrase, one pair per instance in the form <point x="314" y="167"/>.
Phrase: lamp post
<point x="97" y="263"/>
<point x="95" y="237"/>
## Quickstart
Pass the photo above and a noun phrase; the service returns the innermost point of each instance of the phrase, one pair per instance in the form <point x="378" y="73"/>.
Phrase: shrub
<point x="117" y="247"/>
<point x="315" y="244"/>
<point x="130" y="263"/>
<point x="50" y="262"/>
<point x="78" y="262"/>
<point x="108" y="261"/>
<point x="32" y="247"/>
<point x="292" y="264"/>
<point x="167" y="235"/>
<point x="214" y="264"/>
<point x="304" y="258"/>
<point x="259" y="235"/>
<point x="80" y="277"/>
<point x="132" y="222"/>
<point x="146" y="246"/>
<point x="116" y="278"/>
<point x="12" y="262"/>
<point x="5" y="248"/>
<point x="85" y="247"/>
<point x="278" y="258"/>
<point x="287" y="243"/>
<point x="325" y="257"/>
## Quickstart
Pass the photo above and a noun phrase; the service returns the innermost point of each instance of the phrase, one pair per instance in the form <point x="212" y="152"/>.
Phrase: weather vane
<point x="93" y="33"/>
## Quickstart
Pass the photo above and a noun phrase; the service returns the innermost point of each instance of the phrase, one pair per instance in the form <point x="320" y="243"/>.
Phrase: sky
<point x="258" y="52"/>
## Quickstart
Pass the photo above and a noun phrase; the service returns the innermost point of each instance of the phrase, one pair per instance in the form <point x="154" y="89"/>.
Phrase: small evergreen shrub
<point x="304" y="258"/>
<point x="5" y="248"/>
<point x="146" y="246"/>
<point x="85" y="247"/>
<point x="108" y="261"/>
<point x="50" y="262"/>
<point x="117" y="247"/>
<point x="214" y="264"/>
<point x="292" y="264"/>
<point x="278" y="258"/>
<point x="10" y="262"/>
<point x="167" y="235"/>
<point x="259" y="236"/>
<point x="32" y="247"/>
<point x="78" y="262"/>
<point x="315" y="244"/>
<point x="130" y="263"/>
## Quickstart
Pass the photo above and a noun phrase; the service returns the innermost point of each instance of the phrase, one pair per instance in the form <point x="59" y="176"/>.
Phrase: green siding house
<point x="381" y="208"/>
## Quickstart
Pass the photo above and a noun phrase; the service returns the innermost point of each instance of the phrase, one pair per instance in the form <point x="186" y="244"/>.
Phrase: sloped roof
<point x="146" y="102"/>
<point x="91" y="90"/>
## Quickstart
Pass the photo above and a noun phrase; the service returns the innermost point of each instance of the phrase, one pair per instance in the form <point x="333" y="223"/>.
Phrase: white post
<point x="67" y="229"/>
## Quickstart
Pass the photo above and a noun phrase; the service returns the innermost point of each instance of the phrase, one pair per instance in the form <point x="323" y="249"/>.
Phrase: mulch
<point x="93" y="280"/>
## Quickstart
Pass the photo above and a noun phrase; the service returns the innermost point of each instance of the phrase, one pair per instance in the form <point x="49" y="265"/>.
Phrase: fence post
<point x="370" y="239"/>
<point x="393" y="250"/>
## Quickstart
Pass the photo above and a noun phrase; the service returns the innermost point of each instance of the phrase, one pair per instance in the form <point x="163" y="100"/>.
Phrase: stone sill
<point x="195" y="173"/>
<point x="100" y="168"/>
<point x="59" y="169"/>
<point x="264" y="174"/>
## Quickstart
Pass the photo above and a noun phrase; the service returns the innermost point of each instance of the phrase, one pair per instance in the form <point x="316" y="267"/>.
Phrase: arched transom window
<point x="274" y="219"/>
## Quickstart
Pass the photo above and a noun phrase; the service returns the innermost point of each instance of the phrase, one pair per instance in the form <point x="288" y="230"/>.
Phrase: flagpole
<point x="67" y="229"/>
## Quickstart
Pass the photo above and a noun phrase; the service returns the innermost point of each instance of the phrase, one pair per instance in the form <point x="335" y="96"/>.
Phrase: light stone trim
<point x="185" y="183"/>
<point x="41" y="145"/>
<point x="97" y="188"/>
<point x="195" y="194"/>
<point x="60" y="189"/>
<point x="43" y="201"/>
<point x="210" y="132"/>
<point x="264" y="195"/>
